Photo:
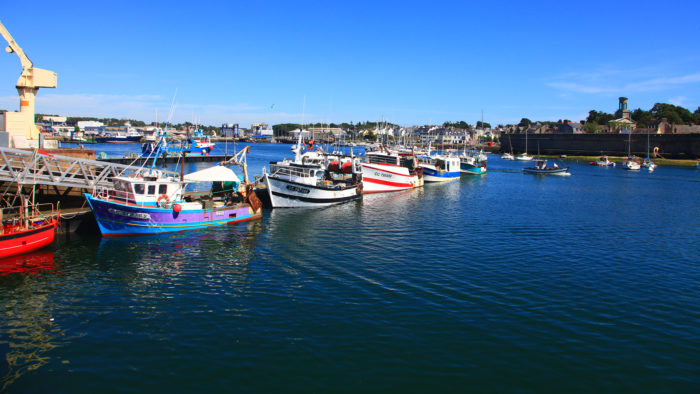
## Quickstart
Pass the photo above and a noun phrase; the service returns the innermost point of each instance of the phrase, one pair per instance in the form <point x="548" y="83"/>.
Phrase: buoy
<point x="177" y="208"/>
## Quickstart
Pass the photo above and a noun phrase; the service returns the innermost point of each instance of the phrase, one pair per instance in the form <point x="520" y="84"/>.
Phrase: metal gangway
<point x="27" y="167"/>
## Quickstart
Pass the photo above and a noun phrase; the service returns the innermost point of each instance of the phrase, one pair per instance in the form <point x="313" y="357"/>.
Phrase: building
<point x="261" y="130"/>
<point x="623" y="123"/>
<point x="570" y="127"/>
<point x="231" y="130"/>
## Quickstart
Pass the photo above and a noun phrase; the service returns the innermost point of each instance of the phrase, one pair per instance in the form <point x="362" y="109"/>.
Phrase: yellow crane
<point x="28" y="84"/>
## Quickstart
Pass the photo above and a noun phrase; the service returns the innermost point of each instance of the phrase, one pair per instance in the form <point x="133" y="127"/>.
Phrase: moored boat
<point x="294" y="183"/>
<point x="631" y="164"/>
<point x="439" y="168"/>
<point x="472" y="163"/>
<point x="387" y="171"/>
<point x="603" y="161"/>
<point x="152" y="201"/>
<point x="541" y="168"/>
<point x="24" y="229"/>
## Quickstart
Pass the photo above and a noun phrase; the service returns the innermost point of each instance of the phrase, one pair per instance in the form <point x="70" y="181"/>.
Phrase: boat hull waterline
<point x="25" y="241"/>
<point x="289" y="194"/>
<point x="117" y="219"/>
<point x="379" y="178"/>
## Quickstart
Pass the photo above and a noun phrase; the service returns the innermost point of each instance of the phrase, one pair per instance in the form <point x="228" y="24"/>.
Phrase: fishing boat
<point x="25" y="229"/>
<point x="472" y="162"/>
<point x="190" y="147"/>
<point x="200" y="142"/>
<point x="295" y="183"/>
<point x="603" y="161"/>
<point x="439" y="168"/>
<point x="151" y="201"/>
<point x="387" y="171"/>
<point x="541" y="168"/>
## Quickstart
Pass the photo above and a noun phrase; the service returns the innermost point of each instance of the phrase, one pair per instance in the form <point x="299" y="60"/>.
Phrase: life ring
<point x="656" y="151"/>
<point x="161" y="198"/>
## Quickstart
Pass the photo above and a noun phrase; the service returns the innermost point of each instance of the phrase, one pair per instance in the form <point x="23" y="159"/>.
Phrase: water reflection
<point x="168" y="259"/>
<point x="27" y="264"/>
<point x="26" y="326"/>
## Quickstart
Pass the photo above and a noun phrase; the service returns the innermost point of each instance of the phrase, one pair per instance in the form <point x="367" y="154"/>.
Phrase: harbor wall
<point x="672" y="146"/>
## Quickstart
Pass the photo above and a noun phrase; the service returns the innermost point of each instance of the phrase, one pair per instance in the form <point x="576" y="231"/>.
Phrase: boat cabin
<point x="146" y="190"/>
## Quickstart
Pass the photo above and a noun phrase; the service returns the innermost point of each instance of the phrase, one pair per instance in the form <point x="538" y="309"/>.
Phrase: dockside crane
<point x="28" y="84"/>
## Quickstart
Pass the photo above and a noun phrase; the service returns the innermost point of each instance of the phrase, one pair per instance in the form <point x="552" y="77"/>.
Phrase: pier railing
<point x="26" y="167"/>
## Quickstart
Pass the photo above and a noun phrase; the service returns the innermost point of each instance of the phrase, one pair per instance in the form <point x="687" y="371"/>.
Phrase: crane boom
<point x="14" y="47"/>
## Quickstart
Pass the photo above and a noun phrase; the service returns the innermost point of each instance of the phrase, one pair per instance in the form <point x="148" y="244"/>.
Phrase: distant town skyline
<point x="411" y="64"/>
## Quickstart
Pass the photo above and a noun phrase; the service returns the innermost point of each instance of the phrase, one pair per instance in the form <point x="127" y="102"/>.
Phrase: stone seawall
<point x="677" y="146"/>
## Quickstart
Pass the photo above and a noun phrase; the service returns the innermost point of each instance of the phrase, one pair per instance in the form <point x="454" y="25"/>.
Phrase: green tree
<point x="591" y="128"/>
<point x="599" y="117"/>
<point x="674" y="114"/>
<point x="525" y="122"/>
<point x="643" y="118"/>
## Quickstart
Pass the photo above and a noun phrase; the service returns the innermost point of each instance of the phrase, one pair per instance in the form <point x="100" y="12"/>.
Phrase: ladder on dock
<point x="26" y="167"/>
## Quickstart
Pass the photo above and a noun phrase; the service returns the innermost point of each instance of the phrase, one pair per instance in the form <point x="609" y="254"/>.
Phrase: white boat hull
<point x="558" y="172"/>
<point x="287" y="194"/>
<point x="379" y="178"/>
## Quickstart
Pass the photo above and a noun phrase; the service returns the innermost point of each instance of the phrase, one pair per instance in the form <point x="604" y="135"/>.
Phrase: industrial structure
<point x="20" y="125"/>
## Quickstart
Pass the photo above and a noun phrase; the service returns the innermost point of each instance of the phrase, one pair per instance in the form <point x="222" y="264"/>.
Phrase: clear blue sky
<point x="409" y="62"/>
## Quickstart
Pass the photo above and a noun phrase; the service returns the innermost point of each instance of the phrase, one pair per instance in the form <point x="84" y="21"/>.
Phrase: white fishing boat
<point x="388" y="171"/>
<point x="439" y="168"/>
<point x="293" y="183"/>
<point x="541" y="168"/>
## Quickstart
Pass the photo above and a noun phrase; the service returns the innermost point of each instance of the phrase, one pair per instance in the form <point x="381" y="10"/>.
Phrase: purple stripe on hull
<point x="116" y="219"/>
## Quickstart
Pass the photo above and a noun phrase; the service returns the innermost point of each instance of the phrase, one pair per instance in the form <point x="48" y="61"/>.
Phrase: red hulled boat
<point x="26" y="232"/>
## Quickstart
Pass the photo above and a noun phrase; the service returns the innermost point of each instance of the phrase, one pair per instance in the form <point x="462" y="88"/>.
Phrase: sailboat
<point x="648" y="164"/>
<point x="523" y="156"/>
<point x="508" y="155"/>
<point x="630" y="163"/>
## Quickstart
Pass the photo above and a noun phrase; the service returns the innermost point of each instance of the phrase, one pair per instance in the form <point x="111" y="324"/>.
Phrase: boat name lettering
<point x="298" y="189"/>
<point x="384" y="174"/>
<point x="135" y="215"/>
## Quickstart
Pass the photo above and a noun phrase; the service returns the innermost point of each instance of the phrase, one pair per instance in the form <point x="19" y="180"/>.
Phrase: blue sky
<point x="411" y="63"/>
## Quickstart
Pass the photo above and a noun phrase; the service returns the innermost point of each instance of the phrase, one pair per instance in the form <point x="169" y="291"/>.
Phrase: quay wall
<point x="672" y="146"/>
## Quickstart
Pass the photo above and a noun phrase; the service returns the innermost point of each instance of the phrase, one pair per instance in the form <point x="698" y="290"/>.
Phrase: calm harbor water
<point x="506" y="282"/>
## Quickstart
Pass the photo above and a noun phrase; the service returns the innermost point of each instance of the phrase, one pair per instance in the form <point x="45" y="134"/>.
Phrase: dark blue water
<point x="507" y="282"/>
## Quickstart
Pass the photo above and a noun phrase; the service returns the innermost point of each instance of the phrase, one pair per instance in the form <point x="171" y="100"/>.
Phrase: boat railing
<point x="105" y="193"/>
<point x="33" y="213"/>
<point x="290" y="172"/>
